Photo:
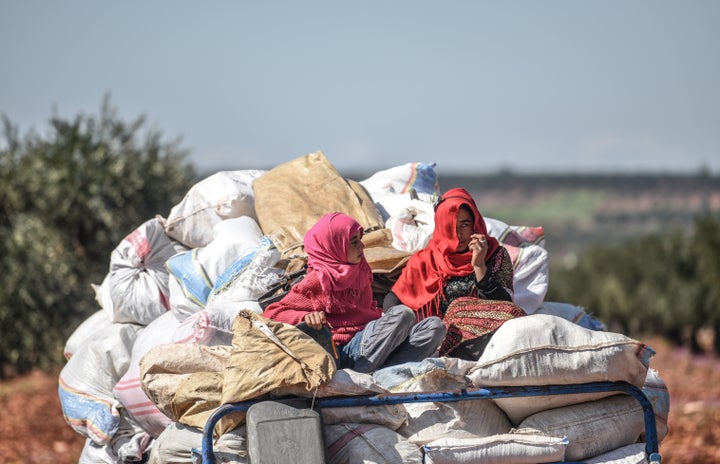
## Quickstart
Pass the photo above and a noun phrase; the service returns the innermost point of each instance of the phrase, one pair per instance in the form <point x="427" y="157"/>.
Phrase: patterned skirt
<point x="469" y="318"/>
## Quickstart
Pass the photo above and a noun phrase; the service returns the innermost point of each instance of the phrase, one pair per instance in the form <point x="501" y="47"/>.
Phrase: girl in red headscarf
<point x="336" y="293"/>
<point x="463" y="275"/>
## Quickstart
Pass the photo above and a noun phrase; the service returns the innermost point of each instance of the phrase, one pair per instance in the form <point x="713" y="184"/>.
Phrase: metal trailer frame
<point x="651" y="440"/>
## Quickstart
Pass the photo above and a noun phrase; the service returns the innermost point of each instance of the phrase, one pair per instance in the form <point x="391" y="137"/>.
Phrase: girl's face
<point x="464" y="229"/>
<point x="355" y="248"/>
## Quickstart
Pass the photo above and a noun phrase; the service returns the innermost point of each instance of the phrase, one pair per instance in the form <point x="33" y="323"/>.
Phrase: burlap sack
<point x="189" y="382"/>
<point x="266" y="356"/>
<point x="184" y="380"/>
<point x="291" y="197"/>
<point x="269" y="355"/>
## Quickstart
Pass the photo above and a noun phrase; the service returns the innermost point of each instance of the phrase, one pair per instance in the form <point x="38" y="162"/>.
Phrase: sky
<point x="474" y="86"/>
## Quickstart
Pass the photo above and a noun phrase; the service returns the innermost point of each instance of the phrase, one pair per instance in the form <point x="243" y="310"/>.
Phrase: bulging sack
<point x="592" y="428"/>
<point x="540" y="349"/>
<point x="223" y="195"/>
<point x="188" y="382"/>
<point x="260" y="343"/>
<point x="291" y="197"/>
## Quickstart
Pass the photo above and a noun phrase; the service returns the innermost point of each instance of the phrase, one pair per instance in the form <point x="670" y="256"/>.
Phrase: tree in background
<point x="665" y="284"/>
<point x="706" y="247"/>
<point x="67" y="199"/>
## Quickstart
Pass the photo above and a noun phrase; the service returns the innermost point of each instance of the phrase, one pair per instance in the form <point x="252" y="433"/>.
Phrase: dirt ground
<point x="33" y="431"/>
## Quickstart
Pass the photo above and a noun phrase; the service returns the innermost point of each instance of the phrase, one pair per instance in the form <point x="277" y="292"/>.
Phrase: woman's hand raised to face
<point x="479" y="247"/>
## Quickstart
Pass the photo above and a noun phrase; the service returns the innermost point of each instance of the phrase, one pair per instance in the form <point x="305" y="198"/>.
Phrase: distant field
<point x="560" y="206"/>
<point x="578" y="211"/>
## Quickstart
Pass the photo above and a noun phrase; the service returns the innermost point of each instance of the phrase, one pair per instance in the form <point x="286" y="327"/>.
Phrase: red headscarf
<point x="421" y="283"/>
<point x="347" y="286"/>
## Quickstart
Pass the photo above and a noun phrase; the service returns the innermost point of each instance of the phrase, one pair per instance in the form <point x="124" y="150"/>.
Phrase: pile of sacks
<point x="177" y="288"/>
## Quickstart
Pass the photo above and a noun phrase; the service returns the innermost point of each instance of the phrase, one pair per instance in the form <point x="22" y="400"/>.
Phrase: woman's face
<point x="464" y="229"/>
<point x="356" y="247"/>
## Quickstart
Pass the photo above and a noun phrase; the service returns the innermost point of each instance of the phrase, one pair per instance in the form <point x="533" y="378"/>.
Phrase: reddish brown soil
<point x="33" y="431"/>
<point x="32" y="427"/>
<point x="694" y="422"/>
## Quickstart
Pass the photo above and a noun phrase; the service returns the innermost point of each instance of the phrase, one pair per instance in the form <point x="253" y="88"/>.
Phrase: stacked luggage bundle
<point x="179" y="317"/>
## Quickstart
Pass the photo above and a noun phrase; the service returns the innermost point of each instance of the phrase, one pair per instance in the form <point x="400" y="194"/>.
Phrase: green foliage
<point x="67" y="198"/>
<point x="666" y="284"/>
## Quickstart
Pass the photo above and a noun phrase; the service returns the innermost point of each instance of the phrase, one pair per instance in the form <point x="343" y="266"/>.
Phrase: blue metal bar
<point x="651" y="441"/>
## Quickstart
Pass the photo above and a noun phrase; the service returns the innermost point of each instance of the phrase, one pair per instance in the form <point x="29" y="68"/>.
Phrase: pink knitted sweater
<point x="307" y="296"/>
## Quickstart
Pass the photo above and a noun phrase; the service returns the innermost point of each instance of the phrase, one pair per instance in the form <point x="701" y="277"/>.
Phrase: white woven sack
<point x="93" y="453"/>
<point x="657" y="393"/>
<point x="544" y="350"/>
<point x="193" y="278"/>
<point x="249" y="277"/>
<point x="572" y="313"/>
<point x="345" y="382"/>
<point x="233" y="238"/>
<point x="87" y="380"/>
<point x="510" y="448"/>
<point x="531" y="278"/>
<point x="531" y="263"/>
<point x="368" y="444"/>
<point x="223" y="195"/>
<point x="412" y="227"/>
<point x="128" y="390"/>
<point x="429" y="421"/>
<point x="630" y="454"/>
<point x="222" y="308"/>
<point x="125" y="446"/>
<point x="428" y="375"/>
<point x="592" y="428"/>
<point x="401" y="179"/>
<point x="86" y="330"/>
<point x="390" y="205"/>
<point x="220" y="318"/>
<point x="135" y="289"/>
<point x="181" y="305"/>
<point x="178" y="442"/>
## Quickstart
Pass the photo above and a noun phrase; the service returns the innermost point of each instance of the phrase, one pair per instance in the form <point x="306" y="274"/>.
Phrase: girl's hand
<point x="316" y="320"/>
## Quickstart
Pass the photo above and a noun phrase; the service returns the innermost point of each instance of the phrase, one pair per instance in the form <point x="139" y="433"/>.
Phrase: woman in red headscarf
<point x="463" y="275"/>
<point x="336" y="293"/>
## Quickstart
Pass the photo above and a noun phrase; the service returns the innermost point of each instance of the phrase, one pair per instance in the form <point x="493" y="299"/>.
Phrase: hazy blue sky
<point x="472" y="85"/>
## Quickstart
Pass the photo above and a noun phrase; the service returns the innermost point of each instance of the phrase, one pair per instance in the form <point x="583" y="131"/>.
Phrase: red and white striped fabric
<point x="166" y="329"/>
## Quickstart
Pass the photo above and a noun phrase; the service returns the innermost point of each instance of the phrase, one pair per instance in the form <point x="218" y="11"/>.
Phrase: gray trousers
<point x="394" y="338"/>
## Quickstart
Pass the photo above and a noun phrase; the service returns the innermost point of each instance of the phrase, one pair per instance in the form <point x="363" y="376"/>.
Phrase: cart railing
<point x="651" y="440"/>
